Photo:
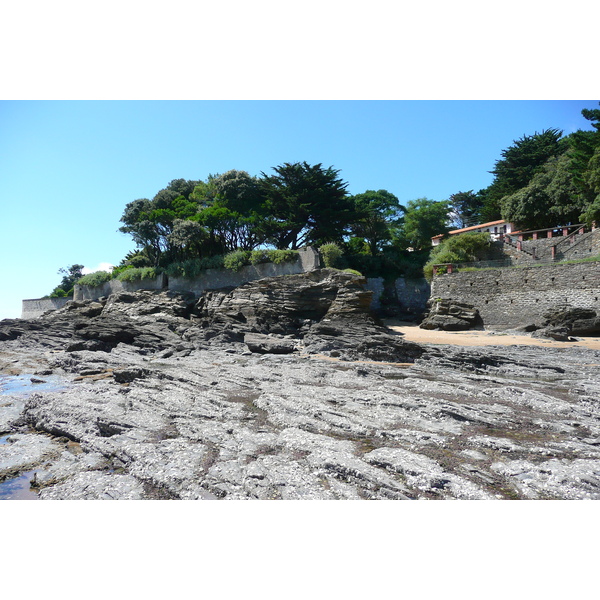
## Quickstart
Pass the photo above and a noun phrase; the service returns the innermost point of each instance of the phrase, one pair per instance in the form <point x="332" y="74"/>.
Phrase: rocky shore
<point x="287" y="388"/>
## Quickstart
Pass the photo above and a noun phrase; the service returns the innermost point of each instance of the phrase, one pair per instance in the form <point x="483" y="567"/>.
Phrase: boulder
<point x="560" y="334"/>
<point x="264" y="344"/>
<point x="449" y="315"/>
<point x="578" y="321"/>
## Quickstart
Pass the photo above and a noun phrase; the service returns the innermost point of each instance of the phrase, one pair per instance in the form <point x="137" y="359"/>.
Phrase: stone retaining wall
<point x="308" y="260"/>
<point x="32" y="309"/>
<point x="115" y="286"/>
<point x="514" y="297"/>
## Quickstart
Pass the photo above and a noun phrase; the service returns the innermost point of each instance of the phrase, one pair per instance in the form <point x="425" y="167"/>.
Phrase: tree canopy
<point x="541" y="180"/>
<point x="306" y="204"/>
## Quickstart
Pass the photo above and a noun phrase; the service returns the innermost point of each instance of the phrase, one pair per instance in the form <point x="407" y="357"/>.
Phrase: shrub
<point x="193" y="267"/>
<point x="95" y="279"/>
<point x="331" y="254"/>
<point x="237" y="259"/>
<point x="259" y="256"/>
<point x="353" y="272"/>
<point x="275" y="256"/>
<point x="281" y="256"/>
<point x="466" y="247"/>
<point x="57" y="293"/>
<point x="137" y="273"/>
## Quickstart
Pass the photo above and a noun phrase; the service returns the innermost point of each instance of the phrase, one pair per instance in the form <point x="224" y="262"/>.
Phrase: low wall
<point x="514" y="297"/>
<point x="214" y="279"/>
<point x="32" y="309"/>
<point x="115" y="286"/>
<point x="409" y="296"/>
<point x="308" y="260"/>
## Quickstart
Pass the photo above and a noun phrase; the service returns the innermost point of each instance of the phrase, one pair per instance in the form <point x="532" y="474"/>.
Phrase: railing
<point x="492" y="264"/>
<point x="570" y="238"/>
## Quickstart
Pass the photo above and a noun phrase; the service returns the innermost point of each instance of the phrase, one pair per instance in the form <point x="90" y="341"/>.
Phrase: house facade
<point x="494" y="228"/>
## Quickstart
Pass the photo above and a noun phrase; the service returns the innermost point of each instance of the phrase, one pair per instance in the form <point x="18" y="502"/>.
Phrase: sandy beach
<point x="414" y="333"/>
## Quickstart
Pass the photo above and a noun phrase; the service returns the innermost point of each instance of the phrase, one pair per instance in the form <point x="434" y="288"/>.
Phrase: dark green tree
<point x="70" y="276"/>
<point x="519" y="163"/>
<point x="305" y="204"/>
<point x="584" y="153"/>
<point x="234" y="215"/>
<point x="378" y="213"/>
<point x="465" y="209"/>
<point x="151" y="222"/>
<point x="423" y="219"/>
<point x="549" y="199"/>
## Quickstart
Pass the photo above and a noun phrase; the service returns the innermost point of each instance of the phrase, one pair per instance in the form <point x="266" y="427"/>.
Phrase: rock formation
<point x="285" y="388"/>
<point x="449" y="315"/>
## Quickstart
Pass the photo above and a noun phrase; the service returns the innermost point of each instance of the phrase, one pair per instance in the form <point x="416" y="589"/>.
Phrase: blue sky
<point x="68" y="168"/>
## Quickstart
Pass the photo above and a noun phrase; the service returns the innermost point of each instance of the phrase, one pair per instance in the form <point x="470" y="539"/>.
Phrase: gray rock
<point x="264" y="344"/>
<point x="449" y="315"/>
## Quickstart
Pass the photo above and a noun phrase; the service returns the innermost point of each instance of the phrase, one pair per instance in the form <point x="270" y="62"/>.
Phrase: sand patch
<point x="413" y="333"/>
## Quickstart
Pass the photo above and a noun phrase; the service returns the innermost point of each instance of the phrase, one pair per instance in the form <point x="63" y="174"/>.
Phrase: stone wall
<point x="514" y="297"/>
<point x="31" y="309"/>
<point x="575" y="246"/>
<point x="115" y="286"/>
<point x="308" y="259"/>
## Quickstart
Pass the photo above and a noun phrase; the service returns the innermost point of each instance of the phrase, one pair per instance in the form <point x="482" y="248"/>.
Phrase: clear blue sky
<point x="68" y="168"/>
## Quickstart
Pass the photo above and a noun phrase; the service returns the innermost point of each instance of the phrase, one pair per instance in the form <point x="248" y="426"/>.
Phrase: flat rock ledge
<point x="283" y="390"/>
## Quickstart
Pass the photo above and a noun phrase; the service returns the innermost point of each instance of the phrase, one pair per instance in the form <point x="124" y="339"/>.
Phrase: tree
<point x="306" y="204"/>
<point x="585" y="167"/>
<point x="378" y="212"/>
<point x="591" y="179"/>
<point x="70" y="276"/>
<point x="423" y="219"/>
<point x="151" y="222"/>
<point x="526" y="157"/>
<point x="548" y="200"/>
<point x="519" y="163"/>
<point x="234" y="214"/>
<point x="465" y="209"/>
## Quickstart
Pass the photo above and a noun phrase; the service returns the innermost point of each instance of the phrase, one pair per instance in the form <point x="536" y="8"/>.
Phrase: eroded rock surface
<point x="449" y="315"/>
<point x="202" y="400"/>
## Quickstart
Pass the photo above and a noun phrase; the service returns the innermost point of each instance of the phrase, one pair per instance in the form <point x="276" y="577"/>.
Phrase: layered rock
<point x="323" y="311"/>
<point x="576" y="321"/>
<point x="449" y="315"/>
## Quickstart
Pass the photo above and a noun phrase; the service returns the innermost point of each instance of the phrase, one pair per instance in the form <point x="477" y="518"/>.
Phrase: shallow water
<point x="22" y="384"/>
<point x="18" y="488"/>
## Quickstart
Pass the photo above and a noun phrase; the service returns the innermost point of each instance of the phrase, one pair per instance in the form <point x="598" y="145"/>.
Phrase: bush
<point x="95" y="279"/>
<point x="275" y="256"/>
<point x="237" y="259"/>
<point x="353" y="272"/>
<point x="259" y="256"/>
<point x="331" y="254"/>
<point x="281" y="256"/>
<point x="137" y="273"/>
<point x="58" y="292"/>
<point x="466" y="247"/>
<point x="189" y="269"/>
